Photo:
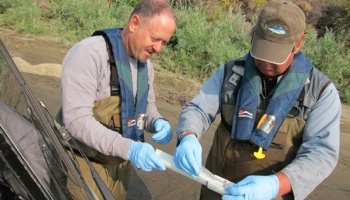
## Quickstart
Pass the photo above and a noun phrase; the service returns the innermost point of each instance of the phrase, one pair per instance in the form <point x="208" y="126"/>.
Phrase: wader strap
<point x="323" y="88"/>
<point x="114" y="81"/>
<point x="295" y="110"/>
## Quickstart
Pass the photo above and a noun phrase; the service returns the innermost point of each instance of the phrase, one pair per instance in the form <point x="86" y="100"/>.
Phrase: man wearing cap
<point x="279" y="129"/>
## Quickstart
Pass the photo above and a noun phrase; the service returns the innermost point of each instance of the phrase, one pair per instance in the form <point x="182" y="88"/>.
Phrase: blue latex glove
<point x="188" y="155"/>
<point x="163" y="130"/>
<point x="253" y="187"/>
<point x="143" y="156"/>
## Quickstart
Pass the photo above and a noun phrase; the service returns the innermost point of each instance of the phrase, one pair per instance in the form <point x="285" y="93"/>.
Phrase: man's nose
<point x="157" y="47"/>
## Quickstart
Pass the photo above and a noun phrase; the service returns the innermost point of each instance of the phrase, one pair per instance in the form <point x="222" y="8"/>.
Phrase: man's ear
<point x="134" y="23"/>
<point x="300" y="43"/>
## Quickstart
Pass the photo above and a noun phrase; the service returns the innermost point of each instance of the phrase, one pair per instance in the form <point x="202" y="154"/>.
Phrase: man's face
<point x="150" y="35"/>
<point x="270" y="70"/>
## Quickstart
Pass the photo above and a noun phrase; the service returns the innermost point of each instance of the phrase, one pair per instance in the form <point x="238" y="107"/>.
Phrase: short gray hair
<point x="150" y="8"/>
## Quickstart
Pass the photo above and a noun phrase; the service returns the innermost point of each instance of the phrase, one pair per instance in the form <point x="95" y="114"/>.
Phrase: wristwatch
<point x="184" y="134"/>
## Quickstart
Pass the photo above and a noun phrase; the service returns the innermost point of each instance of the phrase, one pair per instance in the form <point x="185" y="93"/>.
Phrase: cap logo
<point x="275" y="29"/>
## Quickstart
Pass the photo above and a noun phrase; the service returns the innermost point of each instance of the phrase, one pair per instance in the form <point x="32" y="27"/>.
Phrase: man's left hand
<point x="253" y="187"/>
<point x="163" y="131"/>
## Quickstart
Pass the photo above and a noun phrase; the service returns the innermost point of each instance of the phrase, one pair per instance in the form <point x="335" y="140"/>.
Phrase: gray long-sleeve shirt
<point x="318" y="154"/>
<point x="85" y="79"/>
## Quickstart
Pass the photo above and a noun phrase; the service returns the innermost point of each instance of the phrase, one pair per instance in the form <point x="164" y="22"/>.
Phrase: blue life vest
<point x="285" y="95"/>
<point x="234" y="72"/>
<point x="121" y="84"/>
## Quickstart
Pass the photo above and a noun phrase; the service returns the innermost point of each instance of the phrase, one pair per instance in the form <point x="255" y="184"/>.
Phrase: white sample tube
<point x="205" y="177"/>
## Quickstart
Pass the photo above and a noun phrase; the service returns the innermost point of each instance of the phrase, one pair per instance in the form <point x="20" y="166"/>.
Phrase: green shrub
<point x="332" y="57"/>
<point x="25" y="14"/>
<point x="69" y="20"/>
<point x="201" y="45"/>
<point x="79" y="19"/>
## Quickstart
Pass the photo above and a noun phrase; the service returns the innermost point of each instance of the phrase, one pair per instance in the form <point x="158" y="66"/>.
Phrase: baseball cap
<point x="279" y="27"/>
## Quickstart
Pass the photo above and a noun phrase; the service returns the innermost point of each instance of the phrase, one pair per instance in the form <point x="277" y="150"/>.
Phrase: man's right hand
<point x="188" y="155"/>
<point x="143" y="156"/>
